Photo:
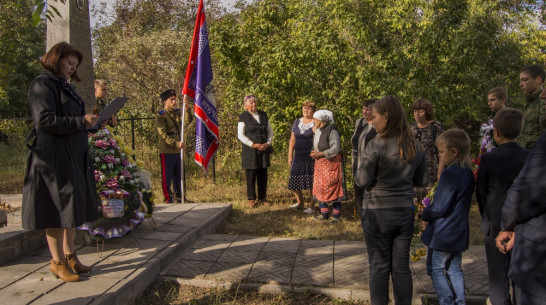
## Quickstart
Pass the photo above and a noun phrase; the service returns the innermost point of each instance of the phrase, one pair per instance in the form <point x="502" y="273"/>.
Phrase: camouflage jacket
<point x="534" y="120"/>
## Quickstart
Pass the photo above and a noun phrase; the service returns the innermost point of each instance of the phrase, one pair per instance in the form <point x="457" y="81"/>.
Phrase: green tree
<point x="339" y="53"/>
<point x="21" y="45"/>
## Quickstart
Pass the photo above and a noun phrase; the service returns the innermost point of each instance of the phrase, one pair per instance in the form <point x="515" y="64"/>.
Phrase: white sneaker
<point x="295" y="205"/>
<point x="309" y="211"/>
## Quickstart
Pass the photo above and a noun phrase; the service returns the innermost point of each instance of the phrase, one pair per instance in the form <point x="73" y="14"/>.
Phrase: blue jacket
<point x="448" y="228"/>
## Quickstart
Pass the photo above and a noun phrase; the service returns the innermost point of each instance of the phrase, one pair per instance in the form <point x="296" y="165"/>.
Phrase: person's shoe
<point x="60" y="270"/>
<point x="309" y="211"/>
<point x="74" y="263"/>
<point x="296" y="206"/>
<point x="335" y="220"/>
<point x="251" y="203"/>
<point x="266" y="203"/>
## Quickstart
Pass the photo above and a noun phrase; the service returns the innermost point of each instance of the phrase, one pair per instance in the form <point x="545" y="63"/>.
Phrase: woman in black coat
<point x="59" y="191"/>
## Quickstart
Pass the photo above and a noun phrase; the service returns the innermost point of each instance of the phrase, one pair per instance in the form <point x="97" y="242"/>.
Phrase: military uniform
<point x="168" y="125"/>
<point x="534" y="119"/>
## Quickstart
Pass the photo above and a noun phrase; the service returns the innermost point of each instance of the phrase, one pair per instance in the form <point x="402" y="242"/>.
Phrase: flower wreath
<point x="121" y="178"/>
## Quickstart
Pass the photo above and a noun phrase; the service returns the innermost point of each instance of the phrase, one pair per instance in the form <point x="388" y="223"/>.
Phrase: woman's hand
<point x="180" y="145"/>
<point x="316" y="155"/>
<point x="91" y="120"/>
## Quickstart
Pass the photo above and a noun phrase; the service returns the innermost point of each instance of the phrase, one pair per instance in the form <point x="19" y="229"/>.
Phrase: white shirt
<point x="241" y="131"/>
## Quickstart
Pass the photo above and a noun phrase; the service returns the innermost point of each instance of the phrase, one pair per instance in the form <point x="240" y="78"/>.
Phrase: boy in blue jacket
<point x="446" y="219"/>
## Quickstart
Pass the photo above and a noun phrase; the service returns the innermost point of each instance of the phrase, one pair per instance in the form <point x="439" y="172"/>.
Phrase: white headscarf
<point x="324" y="115"/>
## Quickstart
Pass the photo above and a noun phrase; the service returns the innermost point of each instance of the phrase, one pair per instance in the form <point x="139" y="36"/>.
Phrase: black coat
<point x="525" y="210"/>
<point x="497" y="172"/>
<point x="59" y="187"/>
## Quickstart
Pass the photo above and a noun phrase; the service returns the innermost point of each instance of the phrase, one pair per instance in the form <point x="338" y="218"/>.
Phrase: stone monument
<point x="73" y="27"/>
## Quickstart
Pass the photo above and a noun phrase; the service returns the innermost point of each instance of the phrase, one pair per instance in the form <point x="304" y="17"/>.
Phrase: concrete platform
<point x="335" y="268"/>
<point x="122" y="269"/>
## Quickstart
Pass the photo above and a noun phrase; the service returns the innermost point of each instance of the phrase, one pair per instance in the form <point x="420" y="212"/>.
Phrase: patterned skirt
<point x="329" y="180"/>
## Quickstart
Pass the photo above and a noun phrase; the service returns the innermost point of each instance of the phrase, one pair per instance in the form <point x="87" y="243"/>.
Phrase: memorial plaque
<point x="73" y="27"/>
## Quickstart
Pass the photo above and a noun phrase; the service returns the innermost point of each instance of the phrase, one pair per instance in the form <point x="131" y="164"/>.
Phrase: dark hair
<point x="425" y="105"/>
<point x="396" y="126"/>
<point x="499" y="93"/>
<point x="370" y="102"/>
<point x="509" y="122"/>
<point x="535" y="71"/>
<point x="458" y="139"/>
<point x="52" y="59"/>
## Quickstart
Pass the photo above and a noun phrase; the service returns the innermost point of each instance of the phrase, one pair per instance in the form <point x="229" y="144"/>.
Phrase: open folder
<point x="112" y="108"/>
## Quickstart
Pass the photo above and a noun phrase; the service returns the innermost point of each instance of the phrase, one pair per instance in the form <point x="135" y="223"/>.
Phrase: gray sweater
<point x="388" y="180"/>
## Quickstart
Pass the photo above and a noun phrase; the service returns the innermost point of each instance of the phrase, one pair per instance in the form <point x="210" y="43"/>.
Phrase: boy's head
<point x="497" y="98"/>
<point x="100" y="89"/>
<point x="508" y="124"/>
<point x="454" y="147"/>
<point x="531" y="79"/>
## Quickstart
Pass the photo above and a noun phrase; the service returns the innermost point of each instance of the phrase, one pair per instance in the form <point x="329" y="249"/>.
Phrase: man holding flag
<point x="198" y="85"/>
<point x="168" y="123"/>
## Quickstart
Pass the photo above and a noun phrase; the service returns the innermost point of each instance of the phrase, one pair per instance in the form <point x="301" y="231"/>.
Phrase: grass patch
<point x="165" y="292"/>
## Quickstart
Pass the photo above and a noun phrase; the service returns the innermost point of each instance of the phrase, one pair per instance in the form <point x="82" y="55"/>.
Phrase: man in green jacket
<point x="534" y="116"/>
<point x="168" y="123"/>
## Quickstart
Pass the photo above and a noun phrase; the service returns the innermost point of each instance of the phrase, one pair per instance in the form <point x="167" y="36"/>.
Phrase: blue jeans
<point x="447" y="276"/>
<point x="388" y="234"/>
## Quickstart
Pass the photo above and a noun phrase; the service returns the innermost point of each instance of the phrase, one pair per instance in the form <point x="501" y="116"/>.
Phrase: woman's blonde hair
<point x="458" y="139"/>
<point x="309" y="104"/>
<point x="396" y="126"/>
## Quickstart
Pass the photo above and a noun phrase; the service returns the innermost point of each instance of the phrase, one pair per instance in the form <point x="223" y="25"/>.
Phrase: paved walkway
<point x="335" y="268"/>
<point x="181" y="247"/>
<point x="126" y="266"/>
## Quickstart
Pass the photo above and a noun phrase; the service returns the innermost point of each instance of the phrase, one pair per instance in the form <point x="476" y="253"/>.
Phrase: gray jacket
<point x="388" y="180"/>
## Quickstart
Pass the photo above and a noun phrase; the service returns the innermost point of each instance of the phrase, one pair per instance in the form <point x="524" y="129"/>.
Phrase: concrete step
<point x="122" y="269"/>
<point x="16" y="242"/>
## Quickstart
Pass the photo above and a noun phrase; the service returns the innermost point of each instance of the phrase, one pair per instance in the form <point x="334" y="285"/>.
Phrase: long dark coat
<point x="59" y="188"/>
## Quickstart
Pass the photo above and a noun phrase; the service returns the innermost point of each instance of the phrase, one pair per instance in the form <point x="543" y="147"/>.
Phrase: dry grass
<point x="165" y="292"/>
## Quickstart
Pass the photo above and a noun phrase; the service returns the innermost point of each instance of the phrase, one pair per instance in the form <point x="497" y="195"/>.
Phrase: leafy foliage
<point x="21" y="44"/>
<point x="339" y="53"/>
<point x="42" y="6"/>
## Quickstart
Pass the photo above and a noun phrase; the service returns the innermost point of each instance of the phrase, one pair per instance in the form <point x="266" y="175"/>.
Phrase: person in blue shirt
<point x="446" y="219"/>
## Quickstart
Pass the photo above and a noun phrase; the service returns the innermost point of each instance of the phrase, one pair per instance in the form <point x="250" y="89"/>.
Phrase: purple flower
<point x="113" y="143"/>
<point x="98" y="174"/>
<point x="125" y="162"/>
<point x="125" y="174"/>
<point x="101" y="144"/>
<point x="112" y="183"/>
<point x="110" y="159"/>
<point x="426" y="202"/>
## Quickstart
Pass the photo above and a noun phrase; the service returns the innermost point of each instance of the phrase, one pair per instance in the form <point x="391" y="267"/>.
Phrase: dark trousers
<point x="171" y="175"/>
<point x="524" y="298"/>
<point x="497" y="268"/>
<point x="256" y="175"/>
<point x="388" y="234"/>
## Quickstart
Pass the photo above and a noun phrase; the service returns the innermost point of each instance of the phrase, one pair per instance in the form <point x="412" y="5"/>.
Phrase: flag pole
<point x="182" y="199"/>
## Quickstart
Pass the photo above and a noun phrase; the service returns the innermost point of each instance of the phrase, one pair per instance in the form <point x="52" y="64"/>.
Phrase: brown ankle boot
<point x="74" y="263"/>
<point x="60" y="270"/>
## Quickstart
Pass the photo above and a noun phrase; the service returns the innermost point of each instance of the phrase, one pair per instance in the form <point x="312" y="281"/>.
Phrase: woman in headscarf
<point x="329" y="178"/>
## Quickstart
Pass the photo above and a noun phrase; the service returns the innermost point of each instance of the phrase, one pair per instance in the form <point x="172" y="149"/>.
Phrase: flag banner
<point x="198" y="85"/>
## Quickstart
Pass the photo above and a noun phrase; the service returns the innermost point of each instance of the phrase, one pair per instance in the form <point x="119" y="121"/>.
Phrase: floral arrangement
<point x="118" y="176"/>
<point x="487" y="144"/>
<point x="420" y="252"/>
